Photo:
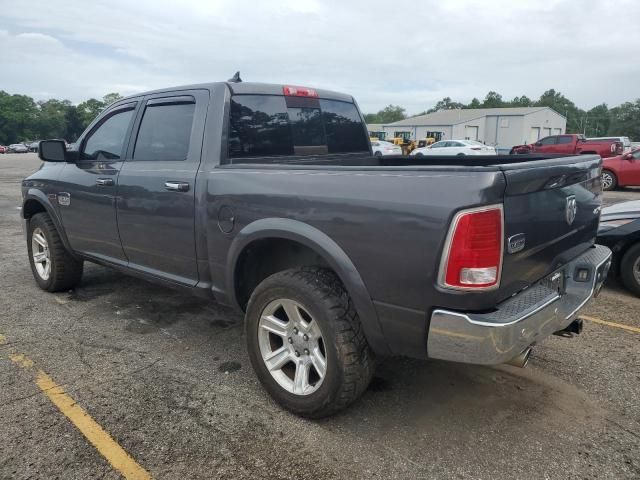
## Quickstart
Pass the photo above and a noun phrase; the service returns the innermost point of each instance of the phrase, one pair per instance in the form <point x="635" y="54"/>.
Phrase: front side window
<point x="548" y="141"/>
<point x="107" y="141"/>
<point x="275" y="125"/>
<point x="564" y="139"/>
<point x="165" y="132"/>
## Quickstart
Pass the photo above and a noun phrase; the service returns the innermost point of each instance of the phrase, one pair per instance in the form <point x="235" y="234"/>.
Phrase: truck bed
<point x="360" y="160"/>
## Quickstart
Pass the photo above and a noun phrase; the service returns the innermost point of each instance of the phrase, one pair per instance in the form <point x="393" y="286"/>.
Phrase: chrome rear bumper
<point x="522" y="320"/>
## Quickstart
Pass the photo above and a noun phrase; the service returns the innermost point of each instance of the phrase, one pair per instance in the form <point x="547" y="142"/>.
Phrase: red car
<point x="3" y="149"/>
<point x="621" y="171"/>
<point x="573" y="144"/>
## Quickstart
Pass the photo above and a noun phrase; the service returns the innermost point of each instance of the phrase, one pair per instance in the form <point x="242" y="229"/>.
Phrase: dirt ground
<point x="166" y="375"/>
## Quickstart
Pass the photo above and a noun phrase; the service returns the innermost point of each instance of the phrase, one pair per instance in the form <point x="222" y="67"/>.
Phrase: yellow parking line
<point x="610" y="324"/>
<point x="97" y="436"/>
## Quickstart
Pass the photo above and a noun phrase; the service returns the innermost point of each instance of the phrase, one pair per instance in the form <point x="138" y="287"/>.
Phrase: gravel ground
<point x="167" y="376"/>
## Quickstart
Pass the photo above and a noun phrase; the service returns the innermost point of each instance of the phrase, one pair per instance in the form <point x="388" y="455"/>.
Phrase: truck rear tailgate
<point x="551" y="214"/>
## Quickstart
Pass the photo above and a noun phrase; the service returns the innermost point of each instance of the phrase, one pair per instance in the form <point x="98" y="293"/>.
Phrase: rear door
<point x="551" y="214"/>
<point x="156" y="201"/>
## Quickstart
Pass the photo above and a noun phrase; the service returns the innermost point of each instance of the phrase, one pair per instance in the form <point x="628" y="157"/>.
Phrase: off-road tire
<point x="350" y="361"/>
<point x="66" y="271"/>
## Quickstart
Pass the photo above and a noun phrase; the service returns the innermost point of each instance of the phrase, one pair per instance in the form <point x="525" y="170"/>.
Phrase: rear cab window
<point x="277" y="125"/>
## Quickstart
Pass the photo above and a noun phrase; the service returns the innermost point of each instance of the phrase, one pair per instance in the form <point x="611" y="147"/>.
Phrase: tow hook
<point x="574" y="328"/>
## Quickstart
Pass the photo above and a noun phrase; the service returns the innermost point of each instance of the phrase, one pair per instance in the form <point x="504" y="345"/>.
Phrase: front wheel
<point x="53" y="268"/>
<point x="306" y="343"/>
<point x="630" y="269"/>
<point x="609" y="180"/>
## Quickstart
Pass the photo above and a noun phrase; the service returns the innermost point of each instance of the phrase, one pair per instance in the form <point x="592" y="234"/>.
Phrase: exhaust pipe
<point x="522" y="359"/>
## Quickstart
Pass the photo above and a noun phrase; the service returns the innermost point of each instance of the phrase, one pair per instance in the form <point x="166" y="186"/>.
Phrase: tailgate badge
<point x="571" y="209"/>
<point x="515" y="243"/>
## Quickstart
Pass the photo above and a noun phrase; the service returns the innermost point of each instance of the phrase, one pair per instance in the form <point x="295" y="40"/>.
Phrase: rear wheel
<point x="306" y="342"/>
<point x="630" y="269"/>
<point x="53" y="268"/>
<point x="609" y="180"/>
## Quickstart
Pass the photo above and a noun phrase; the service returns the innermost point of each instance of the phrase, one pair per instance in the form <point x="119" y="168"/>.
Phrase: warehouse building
<point x="493" y="126"/>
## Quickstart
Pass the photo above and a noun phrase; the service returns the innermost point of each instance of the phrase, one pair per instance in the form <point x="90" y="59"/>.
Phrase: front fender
<point x="33" y="194"/>
<point x="329" y="250"/>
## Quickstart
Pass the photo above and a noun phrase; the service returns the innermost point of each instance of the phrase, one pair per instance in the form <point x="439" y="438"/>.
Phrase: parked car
<point x="3" y="149"/>
<point x="621" y="171"/>
<point x="626" y="142"/>
<point x="279" y="208"/>
<point x="381" y="148"/>
<point x="17" y="148"/>
<point x="33" y="146"/>
<point x="455" y="147"/>
<point x="572" y="144"/>
<point x="620" y="231"/>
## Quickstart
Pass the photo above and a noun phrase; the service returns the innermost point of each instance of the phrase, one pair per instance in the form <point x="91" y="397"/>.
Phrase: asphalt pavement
<point x="165" y="378"/>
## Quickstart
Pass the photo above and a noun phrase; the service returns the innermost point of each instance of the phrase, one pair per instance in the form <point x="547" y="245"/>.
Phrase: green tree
<point x="564" y="106"/>
<point x="493" y="100"/>
<point x="18" y="115"/>
<point x="598" y="121"/>
<point x="475" y="103"/>
<point x="51" y="119"/>
<point x="109" y="98"/>
<point x="522" y="101"/>
<point x="389" y="114"/>
<point x="625" y="120"/>
<point x="446" y="104"/>
<point x="89" y="109"/>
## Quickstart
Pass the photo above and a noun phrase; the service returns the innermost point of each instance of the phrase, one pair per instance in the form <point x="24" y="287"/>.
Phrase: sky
<point x="395" y="52"/>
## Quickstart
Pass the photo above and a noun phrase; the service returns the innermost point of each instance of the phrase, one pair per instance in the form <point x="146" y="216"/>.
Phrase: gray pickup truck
<point x="268" y="198"/>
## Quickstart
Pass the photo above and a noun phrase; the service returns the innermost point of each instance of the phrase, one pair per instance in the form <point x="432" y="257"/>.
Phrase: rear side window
<point x="165" y="132"/>
<point x="106" y="141"/>
<point x="270" y="125"/>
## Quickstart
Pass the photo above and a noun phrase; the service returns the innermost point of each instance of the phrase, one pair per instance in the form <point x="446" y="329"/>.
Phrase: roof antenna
<point x="236" y="78"/>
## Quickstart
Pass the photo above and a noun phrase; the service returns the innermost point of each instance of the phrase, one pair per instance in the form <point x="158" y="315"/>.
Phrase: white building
<point x="493" y="126"/>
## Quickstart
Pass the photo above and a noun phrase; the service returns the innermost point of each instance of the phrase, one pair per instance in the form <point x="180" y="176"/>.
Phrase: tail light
<point x="291" y="91"/>
<point x="472" y="258"/>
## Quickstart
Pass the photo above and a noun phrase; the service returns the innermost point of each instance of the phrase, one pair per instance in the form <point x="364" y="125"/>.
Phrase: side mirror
<point x="538" y="144"/>
<point x="628" y="156"/>
<point x="52" y="151"/>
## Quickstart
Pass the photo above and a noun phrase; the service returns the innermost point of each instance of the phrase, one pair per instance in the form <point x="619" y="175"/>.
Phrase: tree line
<point x="23" y="119"/>
<point x="599" y="121"/>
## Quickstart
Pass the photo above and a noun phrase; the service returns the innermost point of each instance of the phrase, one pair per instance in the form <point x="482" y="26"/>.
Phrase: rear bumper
<point x="519" y="322"/>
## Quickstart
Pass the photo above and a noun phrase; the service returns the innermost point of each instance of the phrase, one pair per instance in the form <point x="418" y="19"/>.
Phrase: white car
<point x="380" y="148"/>
<point x="455" y="147"/>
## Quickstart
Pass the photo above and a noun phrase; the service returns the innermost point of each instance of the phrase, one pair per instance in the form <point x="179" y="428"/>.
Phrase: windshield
<point x="271" y="125"/>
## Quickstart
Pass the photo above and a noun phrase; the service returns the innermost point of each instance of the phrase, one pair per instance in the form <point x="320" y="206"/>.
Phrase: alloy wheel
<point x="40" y="254"/>
<point x="292" y="346"/>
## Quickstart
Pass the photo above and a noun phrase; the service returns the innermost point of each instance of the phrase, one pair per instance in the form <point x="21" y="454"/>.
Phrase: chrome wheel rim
<point x="40" y="254"/>
<point x="607" y="181"/>
<point x="292" y="347"/>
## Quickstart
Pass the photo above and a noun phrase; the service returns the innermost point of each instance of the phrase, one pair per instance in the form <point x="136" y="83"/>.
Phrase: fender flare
<point x="39" y="196"/>
<point x="328" y="249"/>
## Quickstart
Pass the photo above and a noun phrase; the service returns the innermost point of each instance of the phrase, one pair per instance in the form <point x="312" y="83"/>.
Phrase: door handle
<point x="104" y="182"/>
<point x="176" y="186"/>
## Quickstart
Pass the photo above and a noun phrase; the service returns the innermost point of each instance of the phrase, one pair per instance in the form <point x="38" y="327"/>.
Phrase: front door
<point x="156" y="186"/>
<point x="87" y="189"/>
